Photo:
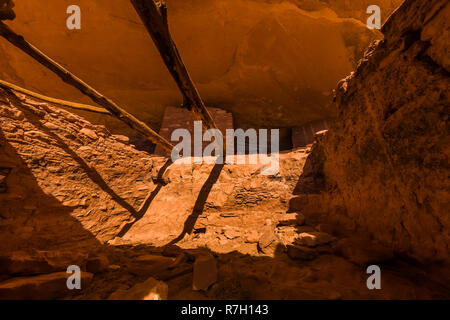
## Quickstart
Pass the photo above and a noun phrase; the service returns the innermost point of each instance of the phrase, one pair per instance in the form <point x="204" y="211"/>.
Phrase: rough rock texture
<point x="66" y="176"/>
<point x="78" y="195"/>
<point x="384" y="165"/>
<point x="42" y="287"/>
<point x="271" y="63"/>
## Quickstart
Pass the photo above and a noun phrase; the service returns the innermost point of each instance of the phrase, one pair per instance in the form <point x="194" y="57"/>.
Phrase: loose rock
<point x="150" y="289"/>
<point x="313" y="239"/>
<point x="205" y="271"/>
<point x="97" y="264"/>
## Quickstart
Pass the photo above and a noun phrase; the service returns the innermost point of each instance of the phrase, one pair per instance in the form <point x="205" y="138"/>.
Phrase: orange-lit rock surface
<point x="271" y="63"/>
<point x="373" y="190"/>
<point x="383" y="167"/>
<point x="75" y="194"/>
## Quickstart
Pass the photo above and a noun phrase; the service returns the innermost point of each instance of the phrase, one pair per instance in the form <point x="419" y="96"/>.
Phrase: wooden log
<point x="74" y="81"/>
<point x="154" y="18"/>
<point x="70" y="104"/>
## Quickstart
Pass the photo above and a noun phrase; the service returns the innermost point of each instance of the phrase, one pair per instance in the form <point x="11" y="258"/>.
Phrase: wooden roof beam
<point x="76" y="82"/>
<point x="154" y="17"/>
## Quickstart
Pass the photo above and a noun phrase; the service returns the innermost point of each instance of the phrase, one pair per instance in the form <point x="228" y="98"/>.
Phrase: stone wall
<point x="383" y="167"/>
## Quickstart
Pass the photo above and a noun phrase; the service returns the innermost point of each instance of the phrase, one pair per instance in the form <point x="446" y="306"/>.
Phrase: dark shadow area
<point x="200" y="202"/>
<point x="24" y="204"/>
<point x="4" y="172"/>
<point x="312" y="195"/>
<point x="312" y="179"/>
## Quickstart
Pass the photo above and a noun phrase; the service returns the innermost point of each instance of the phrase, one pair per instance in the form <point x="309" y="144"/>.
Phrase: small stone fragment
<point x="89" y="133"/>
<point x="292" y="219"/>
<point x="313" y="239"/>
<point x="205" y="271"/>
<point x="252" y="236"/>
<point x="121" y="138"/>
<point x="51" y="126"/>
<point x="231" y="233"/>
<point x="150" y="289"/>
<point x="114" y="267"/>
<point x="300" y="252"/>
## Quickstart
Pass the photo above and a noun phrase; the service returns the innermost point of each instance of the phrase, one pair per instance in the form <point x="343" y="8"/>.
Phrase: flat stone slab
<point x="42" y="287"/>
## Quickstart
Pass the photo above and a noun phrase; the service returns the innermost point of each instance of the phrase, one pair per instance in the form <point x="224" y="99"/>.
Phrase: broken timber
<point x="71" y="79"/>
<point x="154" y="17"/>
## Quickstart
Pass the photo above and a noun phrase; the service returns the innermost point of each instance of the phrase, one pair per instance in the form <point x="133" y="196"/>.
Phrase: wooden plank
<point x="74" y="81"/>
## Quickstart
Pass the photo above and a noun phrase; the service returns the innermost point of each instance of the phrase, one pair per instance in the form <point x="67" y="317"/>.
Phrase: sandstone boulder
<point x="314" y="239"/>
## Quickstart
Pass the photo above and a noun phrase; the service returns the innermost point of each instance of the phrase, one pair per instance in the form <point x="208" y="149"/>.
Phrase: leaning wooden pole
<point x="71" y="79"/>
<point x="154" y="17"/>
<point x="64" y="103"/>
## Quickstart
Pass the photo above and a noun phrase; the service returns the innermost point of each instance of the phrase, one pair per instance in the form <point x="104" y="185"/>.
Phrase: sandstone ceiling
<point x="271" y="63"/>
